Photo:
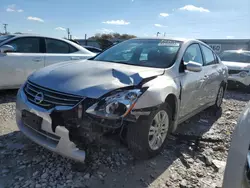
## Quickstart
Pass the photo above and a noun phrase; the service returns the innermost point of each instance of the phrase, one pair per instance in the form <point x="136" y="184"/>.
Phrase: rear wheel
<point x="147" y="137"/>
<point x="220" y="96"/>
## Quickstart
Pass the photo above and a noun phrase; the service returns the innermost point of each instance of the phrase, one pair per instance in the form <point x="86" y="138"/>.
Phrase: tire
<point x="138" y="138"/>
<point x="219" y="98"/>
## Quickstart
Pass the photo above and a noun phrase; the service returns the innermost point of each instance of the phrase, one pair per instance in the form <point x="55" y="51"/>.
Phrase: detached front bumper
<point x="57" y="141"/>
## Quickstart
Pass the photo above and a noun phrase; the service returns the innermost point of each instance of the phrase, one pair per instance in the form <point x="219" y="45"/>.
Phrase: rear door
<point x="212" y="71"/>
<point x="59" y="51"/>
<point x="16" y="66"/>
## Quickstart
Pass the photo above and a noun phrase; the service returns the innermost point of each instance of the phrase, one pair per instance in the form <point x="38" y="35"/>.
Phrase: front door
<point x="16" y="66"/>
<point x="193" y="83"/>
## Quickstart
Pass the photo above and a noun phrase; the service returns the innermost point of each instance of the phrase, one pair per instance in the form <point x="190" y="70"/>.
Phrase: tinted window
<point x="239" y="56"/>
<point x="57" y="46"/>
<point x="142" y="52"/>
<point x="193" y="53"/>
<point x="208" y="55"/>
<point x="72" y="49"/>
<point x="26" y="45"/>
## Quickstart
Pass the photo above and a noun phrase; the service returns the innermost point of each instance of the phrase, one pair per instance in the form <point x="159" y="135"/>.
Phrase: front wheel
<point x="147" y="137"/>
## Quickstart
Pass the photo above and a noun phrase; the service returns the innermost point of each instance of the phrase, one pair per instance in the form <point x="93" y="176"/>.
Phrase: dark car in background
<point x="93" y="49"/>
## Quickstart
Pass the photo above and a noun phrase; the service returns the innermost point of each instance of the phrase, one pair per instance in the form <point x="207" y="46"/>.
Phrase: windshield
<point x="5" y="37"/>
<point x="156" y="53"/>
<point x="243" y="57"/>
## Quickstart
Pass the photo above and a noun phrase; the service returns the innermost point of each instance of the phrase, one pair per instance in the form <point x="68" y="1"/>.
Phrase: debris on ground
<point x="195" y="156"/>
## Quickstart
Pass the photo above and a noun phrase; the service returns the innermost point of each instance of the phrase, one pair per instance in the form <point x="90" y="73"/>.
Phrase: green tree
<point x="104" y="39"/>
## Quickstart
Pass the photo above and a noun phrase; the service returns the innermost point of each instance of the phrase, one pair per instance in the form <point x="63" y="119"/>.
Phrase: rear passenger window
<point x="57" y="46"/>
<point x="208" y="55"/>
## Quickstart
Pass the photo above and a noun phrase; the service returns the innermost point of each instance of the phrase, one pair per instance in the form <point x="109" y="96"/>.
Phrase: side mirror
<point x="6" y="48"/>
<point x="193" y="66"/>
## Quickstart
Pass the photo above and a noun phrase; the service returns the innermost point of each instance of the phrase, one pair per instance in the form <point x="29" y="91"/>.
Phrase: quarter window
<point x="58" y="47"/>
<point x="193" y="53"/>
<point x="208" y="55"/>
<point x="26" y="45"/>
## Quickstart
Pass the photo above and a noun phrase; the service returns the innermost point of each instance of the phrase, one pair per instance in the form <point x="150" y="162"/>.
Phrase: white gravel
<point x="181" y="164"/>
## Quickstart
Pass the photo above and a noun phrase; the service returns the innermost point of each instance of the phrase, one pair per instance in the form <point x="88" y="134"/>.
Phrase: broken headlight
<point x="116" y="105"/>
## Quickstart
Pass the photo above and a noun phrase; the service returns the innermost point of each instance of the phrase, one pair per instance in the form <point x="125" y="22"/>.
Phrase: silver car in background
<point x="22" y="54"/>
<point x="140" y="88"/>
<point x="237" y="172"/>
<point x="238" y="63"/>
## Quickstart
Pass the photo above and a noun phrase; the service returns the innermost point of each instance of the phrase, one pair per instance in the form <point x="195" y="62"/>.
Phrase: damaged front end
<point x="93" y="117"/>
<point x="60" y="121"/>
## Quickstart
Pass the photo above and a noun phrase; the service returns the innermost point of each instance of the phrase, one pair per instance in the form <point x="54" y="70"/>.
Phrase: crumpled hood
<point x="236" y="65"/>
<point x="91" y="78"/>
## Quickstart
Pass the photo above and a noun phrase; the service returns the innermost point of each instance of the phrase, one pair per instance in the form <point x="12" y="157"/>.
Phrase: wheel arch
<point x="172" y="101"/>
<point x="224" y="84"/>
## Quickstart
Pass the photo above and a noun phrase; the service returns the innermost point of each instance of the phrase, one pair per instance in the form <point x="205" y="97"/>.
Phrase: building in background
<point x="220" y="45"/>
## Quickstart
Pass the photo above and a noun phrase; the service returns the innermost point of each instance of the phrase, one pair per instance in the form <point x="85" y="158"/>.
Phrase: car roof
<point x="79" y="47"/>
<point x="164" y="38"/>
<point x="186" y="41"/>
<point x="37" y="35"/>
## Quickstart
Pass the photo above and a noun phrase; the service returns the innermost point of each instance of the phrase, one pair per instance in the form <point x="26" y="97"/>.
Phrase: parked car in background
<point x="143" y="94"/>
<point x="237" y="172"/>
<point x="93" y="49"/>
<point x="20" y="55"/>
<point x="238" y="63"/>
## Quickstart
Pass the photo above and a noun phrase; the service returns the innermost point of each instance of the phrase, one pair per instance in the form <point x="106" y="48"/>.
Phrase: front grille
<point x="234" y="71"/>
<point x="51" y="98"/>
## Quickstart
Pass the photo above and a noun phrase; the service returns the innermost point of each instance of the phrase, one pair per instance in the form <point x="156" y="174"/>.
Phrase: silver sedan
<point x="140" y="88"/>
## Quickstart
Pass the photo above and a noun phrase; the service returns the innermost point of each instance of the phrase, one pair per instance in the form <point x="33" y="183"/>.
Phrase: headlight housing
<point x="243" y="74"/>
<point x="116" y="105"/>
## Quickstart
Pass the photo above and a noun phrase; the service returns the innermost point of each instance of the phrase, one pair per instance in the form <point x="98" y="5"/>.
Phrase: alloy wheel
<point x="158" y="130"/>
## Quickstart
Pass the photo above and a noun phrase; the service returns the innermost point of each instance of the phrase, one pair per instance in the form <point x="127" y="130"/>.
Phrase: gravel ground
<point x="184" y="162"/>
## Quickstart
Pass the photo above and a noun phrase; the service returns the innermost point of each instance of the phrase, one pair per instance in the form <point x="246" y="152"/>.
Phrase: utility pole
<point x="5" y="28"/>
<point x="158" y="33"/>
<point x="85" y="39"/>
<point x="68" y="31"/>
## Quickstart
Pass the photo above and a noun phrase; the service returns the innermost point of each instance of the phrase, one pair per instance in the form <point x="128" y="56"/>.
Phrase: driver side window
<point x="193" y="53"/>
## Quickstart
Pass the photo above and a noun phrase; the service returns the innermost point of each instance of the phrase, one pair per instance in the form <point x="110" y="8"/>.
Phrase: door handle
<point x="37" y="59"/>
<point x="75" y="58"/>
